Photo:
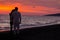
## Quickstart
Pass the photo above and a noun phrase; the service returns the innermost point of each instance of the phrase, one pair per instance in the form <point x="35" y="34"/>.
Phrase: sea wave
<point x="29" y="21"/>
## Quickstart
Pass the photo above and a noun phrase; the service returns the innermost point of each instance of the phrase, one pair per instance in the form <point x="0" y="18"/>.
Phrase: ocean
<point x="29" y="21"/>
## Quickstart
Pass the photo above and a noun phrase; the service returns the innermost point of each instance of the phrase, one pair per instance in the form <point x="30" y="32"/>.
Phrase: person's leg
<point x="14" y="28"/>
<point x="10" y="27"/>
<point x="17" y="28"/>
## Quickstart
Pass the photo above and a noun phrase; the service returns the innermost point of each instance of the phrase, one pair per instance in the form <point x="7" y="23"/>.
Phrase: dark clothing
<point x="16" y="17"/>
<point x="11" y="20"/>
<point x="15" y="20"/>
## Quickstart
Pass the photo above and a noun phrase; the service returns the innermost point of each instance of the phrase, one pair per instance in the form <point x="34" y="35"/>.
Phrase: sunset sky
<point x="30" y="7"/>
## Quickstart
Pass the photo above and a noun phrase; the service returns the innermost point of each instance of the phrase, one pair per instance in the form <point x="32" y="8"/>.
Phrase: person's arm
<point x="20" y="18"/>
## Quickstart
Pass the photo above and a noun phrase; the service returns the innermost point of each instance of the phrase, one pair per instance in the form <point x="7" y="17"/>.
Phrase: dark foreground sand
<point x="50" y="32"/>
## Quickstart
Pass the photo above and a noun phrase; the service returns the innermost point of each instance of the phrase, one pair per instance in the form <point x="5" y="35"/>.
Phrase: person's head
<point x="16" y="8"/>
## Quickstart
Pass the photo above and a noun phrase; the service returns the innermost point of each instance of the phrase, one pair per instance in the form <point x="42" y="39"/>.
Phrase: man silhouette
<point x="15" y="18"/>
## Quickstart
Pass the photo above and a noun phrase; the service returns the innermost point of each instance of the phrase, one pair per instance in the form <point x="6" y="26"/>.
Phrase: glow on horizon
<point x="40" y="10"/>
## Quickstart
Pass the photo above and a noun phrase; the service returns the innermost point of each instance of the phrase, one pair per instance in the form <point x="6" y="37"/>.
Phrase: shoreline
<point x="22" y="28"/>
<point x="50" y="32"/>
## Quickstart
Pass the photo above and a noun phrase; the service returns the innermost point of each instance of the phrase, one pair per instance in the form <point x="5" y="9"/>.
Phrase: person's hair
<point x="16" y="8"/>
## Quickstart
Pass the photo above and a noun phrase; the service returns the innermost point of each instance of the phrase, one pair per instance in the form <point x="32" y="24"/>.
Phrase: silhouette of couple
<point x="15" y="20"/>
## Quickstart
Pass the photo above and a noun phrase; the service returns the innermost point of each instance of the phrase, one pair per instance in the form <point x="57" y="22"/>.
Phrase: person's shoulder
<point x="9" y="13"/>
<point x="14" y="12"/>
<point x="18" y="12"/>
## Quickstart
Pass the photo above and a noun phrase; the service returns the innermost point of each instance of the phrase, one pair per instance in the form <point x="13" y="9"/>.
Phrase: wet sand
<point x="50" y="32"/>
